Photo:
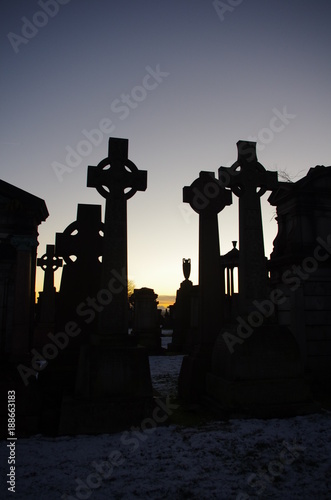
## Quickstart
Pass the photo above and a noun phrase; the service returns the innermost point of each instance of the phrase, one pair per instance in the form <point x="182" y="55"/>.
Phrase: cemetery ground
<point x="189" y="454"/>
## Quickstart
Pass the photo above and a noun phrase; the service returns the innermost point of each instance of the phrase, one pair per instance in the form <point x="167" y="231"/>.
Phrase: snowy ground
<point x="236" y="459"/>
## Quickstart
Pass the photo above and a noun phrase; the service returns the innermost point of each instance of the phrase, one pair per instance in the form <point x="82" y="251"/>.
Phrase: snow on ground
<point x="236" y="459"/>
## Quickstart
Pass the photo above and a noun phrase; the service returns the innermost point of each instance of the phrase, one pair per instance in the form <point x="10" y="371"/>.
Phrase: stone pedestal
<point x="113" y="390"/>
<point x="182" y="318"/>
<point x="260" y="376"/>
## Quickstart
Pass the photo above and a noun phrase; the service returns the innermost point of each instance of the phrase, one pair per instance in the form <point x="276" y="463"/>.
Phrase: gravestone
<point x="207" y="197"/>
<point x="112" y="183"/>
<point x="256" y="366"/>
<point x="249" y="180"/>
<point x="113" y="384"/>
<point x="49" y="263"/>
<point x="182" y="313"/>
<point x="146" y="320"/>
<point x="80" y="245"/>
<point x="45" y="323"/>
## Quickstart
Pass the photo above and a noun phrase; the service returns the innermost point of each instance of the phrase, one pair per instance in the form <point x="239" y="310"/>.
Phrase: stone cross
<point x="117" y="179"/>
<point x="82" y="238"/>
<point x="244" y="177"/>
<point x="49" y="263"/>
<point x="207" y="197"/>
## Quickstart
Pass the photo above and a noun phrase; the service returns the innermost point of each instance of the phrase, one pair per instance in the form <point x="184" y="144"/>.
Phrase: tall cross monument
<point x="117" y="179"/>
<point x="207" y="198"/>
<point x="113" y="384"/>
<point x="249" y="180"/>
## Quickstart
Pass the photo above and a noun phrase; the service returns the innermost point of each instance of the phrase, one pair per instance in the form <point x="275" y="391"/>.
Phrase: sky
<point x="183" y="81"/>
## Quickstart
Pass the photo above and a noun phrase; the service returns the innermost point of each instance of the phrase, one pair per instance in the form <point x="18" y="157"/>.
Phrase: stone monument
<point x="249" y="180"/>
<point x="146" y="320"/>
<point x="113" y="385"/>
<point x="20" y="215"/>
<point x="182" y="313"/>
<point x="207" y="197"/>
<point x="45" y="323"/>
<point x="81" y="246"/>
<point x="300" y="266"/>
<point x="256" y="365"/>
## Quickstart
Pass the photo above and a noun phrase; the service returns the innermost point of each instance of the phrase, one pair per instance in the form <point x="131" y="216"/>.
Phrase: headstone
<point x="146" y="320"/>
<point x="49" y="263"/>
<point x="114" y="384"/>
<point x="81" y="246"/>
<point x="207" y="197"/>
<point x="249" y="180"/>
<point x="45" y="323"/>
<point x="256" y="366"/>
<point x="181" y="341"/>
<point x="113" y="184"/>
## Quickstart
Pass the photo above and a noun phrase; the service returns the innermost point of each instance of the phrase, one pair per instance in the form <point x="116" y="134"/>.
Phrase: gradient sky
<point x="225" y="75"/>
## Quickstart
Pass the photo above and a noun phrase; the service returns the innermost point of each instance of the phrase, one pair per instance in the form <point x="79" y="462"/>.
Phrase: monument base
<point x="151" y="340"/>
<point x="261" y="375"/>
<point x="267" y="398"/>
<point x="102" y="416"/>
<point x="113" y="390"/>
<point x="192" y="377"/>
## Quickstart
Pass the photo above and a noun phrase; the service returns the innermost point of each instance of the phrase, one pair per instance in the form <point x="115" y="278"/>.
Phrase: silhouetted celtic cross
<point x="116" y="173"/>
<point x="247" y="174"/>
<point x="49" y="260"/>
<point x="49" y="263"/>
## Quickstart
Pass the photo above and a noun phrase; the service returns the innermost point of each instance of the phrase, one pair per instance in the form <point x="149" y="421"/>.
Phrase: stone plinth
<point x="261" y="376"/>
<point x="182" y="318"/>
<point x="113" y="390"/>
